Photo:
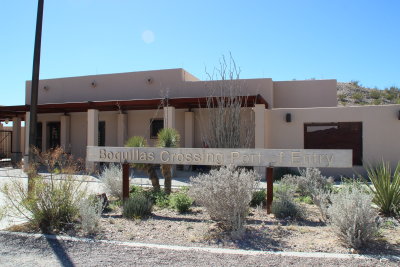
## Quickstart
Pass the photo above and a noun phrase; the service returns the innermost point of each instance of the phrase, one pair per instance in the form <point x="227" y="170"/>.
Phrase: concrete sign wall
<point x="211" y="156"/>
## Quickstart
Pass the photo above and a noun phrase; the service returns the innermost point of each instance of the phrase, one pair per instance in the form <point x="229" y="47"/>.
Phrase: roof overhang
<point x="8" y="112"/>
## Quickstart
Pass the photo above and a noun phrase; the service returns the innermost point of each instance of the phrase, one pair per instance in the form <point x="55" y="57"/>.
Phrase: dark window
<point x="338" y="135"/>
<point x="53" y="131"/>
<point x="156" y="125"/>
<point x="102" y="133"/>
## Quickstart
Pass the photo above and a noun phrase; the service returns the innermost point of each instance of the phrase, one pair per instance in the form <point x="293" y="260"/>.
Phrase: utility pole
<point x="35" y="84"/>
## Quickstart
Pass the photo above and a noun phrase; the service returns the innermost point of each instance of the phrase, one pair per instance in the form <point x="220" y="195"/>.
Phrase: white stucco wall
<point x="381" y="128"/>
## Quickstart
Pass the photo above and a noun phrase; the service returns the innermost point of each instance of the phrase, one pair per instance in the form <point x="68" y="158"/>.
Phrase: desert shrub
<point x="180" y="202"/>
<point x="258" y="198"/>
<point x="284" y="205"/>
<point x="386" y="187"/>
<point x="280" y="172"/>
<point x="375" y="94"/>
<point x="226" y="194"/>
<point x="377" y="101"/>
<point x="90" y="210"/>
<point x="352" y="216"/>
<point x="342" y="97"/>
<point x="305" y="199"/>
<point x="159" y="198"/>
<point x="358" y="97"/>
<point x="313" y="184"/>
<point x="53" y="202"/>
<point x="355" y="83"/>
<point x="111" y="176"/>
<point x="137" y="206"/>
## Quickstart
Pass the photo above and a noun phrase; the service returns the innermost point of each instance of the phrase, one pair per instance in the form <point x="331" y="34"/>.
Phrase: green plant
<point x="53" y="202"/>
<point x="355" y="83"/>
<point x="226" y="194"/>
<point x="305" y="199"/>
<point x="386" y="187"/>
<point x="160" y="198"/>
<point x="167" y="137"/>
<point x="358" y="97"/>
<point x="377" y="101"/>
<point x="181" y="202"/>
<point x="258" y="198"/>
<point x="285" y="206"/>
<point x="137" y="206"/>
<point x="375" y="94"/>
<point x="139" y="141"/>
<point x="134" y="189"/>
<point x="342" y="97"/>
<point x="352" y="216"/>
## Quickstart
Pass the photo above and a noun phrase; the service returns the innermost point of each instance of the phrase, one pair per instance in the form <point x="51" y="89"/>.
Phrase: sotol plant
<point x="386" y="187"/>
<point x="167" y="137"/>
<point x="139" y="141"/>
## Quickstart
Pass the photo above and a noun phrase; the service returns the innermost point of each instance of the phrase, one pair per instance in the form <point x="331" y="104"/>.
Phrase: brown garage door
<point x="335" y="135"/>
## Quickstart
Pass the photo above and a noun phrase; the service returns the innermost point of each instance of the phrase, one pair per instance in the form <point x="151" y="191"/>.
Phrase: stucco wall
<point x="303" y="94"/>
<point x="124" y="86"/>
<point x="381" y="128"/>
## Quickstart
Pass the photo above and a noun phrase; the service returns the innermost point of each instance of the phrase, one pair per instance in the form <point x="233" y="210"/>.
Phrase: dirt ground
<point x="263" y="232"/>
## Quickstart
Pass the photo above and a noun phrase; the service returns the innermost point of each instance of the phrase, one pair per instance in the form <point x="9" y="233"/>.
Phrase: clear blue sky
<point x="283" y="40"/>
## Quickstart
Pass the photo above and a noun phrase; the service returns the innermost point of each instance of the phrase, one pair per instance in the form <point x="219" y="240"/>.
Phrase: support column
<point x="259" y="132"/>
<point x="169" y="122"/>
<point x="44" y="136"/>
<point x="26" y="154"/>
<point x="122" y="129"/>
<point x="65" y="133"/>
<point x="16" y="154"/>
<point x="189" y="133"/>
<point x="169" y="117"/>
<point x="92" y="134"/>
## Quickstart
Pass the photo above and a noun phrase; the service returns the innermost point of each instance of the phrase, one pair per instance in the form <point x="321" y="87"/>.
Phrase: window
<point x="53" y="134"/>
<point x="336" y="135"/>
<point x="102" y="133"/>
<point x="156" y="125"/>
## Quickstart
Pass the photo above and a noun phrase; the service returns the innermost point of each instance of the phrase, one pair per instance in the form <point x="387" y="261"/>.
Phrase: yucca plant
<point x="167" y="137"/>
<point x="140" y="141"/>
<point x="386" y="187"/>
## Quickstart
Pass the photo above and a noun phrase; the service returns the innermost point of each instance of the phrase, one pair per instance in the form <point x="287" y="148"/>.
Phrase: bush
<point x="386" y="187"/>
<point x="358" y="97"/>
<point x="53" y="203"/>
<point x="159" y="198"/>
<point x="352" y="217"/>
<point x="112" y="179"/>
<point x="181" y="202"/>
<point x="137" y="206"/>
<point x="342" y="97"/>
<point x="90" y="210"/>
<point x="375" y="94"/>
<point x="226" y="194"/>
<point x="284" y="205"/>
<point x="258" y="198"/>
<point x="311" y="183"/>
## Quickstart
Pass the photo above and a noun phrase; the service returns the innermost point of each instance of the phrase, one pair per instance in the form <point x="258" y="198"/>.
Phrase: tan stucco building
<point x="108" y="109"/>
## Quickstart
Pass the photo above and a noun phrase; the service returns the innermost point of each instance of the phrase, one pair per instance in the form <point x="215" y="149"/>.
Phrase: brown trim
<point x="115" y="105"/>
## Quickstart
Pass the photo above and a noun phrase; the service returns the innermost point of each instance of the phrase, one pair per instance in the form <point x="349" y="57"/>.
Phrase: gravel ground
<point x="22" y="251"/>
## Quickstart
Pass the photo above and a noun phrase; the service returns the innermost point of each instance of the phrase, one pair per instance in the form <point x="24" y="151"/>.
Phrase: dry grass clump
<point x="226" y="194"/>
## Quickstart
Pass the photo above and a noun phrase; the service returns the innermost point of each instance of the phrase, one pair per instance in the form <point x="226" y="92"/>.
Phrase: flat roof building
<point x="107" y="109"/>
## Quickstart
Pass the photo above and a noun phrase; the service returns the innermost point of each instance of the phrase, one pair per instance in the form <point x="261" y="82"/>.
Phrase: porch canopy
<point x="9" y="112"/>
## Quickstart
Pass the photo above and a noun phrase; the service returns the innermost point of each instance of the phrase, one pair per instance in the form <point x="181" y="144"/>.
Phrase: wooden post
<point x="270" y="188"/>
<point x="125" y="181"/>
